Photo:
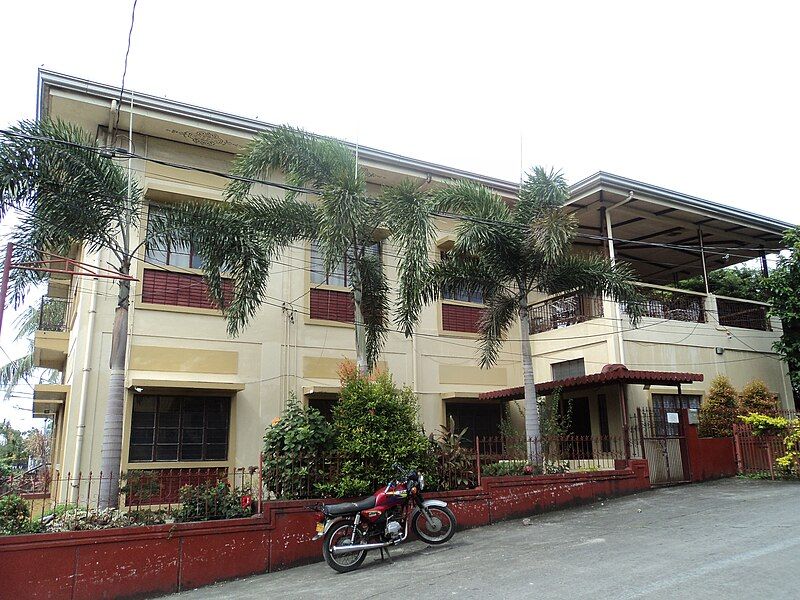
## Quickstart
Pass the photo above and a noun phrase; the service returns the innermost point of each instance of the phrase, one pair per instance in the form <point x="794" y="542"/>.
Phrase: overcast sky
<point x="697" y="97"/>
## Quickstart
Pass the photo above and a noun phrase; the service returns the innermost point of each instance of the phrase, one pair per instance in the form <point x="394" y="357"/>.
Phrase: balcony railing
<point x="739" y="313"/>
<point x="563" y="311"/>
<point x="673" y="305"/>
<point x="54" y="314"/>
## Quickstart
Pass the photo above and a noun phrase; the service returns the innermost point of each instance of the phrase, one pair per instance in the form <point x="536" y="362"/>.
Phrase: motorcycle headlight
<point x="422" y="482"/>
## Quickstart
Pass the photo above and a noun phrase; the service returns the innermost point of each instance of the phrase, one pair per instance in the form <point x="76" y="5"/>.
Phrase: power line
<point x="721" y="250"/>
<point x="124" y="71"/>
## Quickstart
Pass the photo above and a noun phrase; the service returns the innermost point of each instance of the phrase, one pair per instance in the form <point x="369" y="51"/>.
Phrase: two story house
<point x="199" y="398"/>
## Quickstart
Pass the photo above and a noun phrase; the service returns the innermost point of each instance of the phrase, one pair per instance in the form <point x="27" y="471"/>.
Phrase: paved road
<point x="727" y="539"/>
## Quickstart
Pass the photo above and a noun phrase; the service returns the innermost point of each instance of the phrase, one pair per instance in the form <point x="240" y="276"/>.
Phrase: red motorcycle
<point x="351" y="529"/>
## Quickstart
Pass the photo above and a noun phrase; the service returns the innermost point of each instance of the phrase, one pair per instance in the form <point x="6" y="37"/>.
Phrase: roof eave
<point x="249" y="126"/>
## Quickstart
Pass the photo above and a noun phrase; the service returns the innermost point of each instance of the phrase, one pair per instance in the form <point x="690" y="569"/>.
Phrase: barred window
<point x="179" y="428"/>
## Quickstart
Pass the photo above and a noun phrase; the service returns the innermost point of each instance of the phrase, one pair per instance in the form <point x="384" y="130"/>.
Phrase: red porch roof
<point x="609" y="374"/>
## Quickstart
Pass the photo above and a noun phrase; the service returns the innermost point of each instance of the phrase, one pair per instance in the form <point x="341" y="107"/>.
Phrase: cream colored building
<point x="182" y="362"/>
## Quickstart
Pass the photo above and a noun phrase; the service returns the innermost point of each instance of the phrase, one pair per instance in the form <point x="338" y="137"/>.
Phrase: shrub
<point x="208" y="502"/>
<point x="455" y="465"/>
<point x="298" y="430"/>
<point x="756" y="398"/>
<point x="718" y="412"/>
<point x="375" y="427"/>
<point x="15" y="516"/>
<point x="789" y="464"/>
<point x="294" y="445"/>
<point x="70" y="518"/>
<point x="766" y="425"/>
<point x="506" y="468"/>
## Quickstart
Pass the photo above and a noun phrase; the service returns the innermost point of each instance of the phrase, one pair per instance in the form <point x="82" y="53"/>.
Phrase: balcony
<point x="52" y="335"/>
<point x="563" y="311"/>
<point x="744" y="314"/>
<point x="669" y="304"/>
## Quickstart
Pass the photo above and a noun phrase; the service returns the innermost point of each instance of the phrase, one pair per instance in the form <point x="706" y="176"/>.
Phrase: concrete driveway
<point x="726" y="539"/>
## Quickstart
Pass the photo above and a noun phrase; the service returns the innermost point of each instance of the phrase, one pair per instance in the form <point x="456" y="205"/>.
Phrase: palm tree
<point x="68" y="192"/>
<point x="506" y="253"/>
<point x="243" y="237"/>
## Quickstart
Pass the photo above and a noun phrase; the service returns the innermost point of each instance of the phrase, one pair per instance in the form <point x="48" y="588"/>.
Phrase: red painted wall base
<point x="139" y="561"/>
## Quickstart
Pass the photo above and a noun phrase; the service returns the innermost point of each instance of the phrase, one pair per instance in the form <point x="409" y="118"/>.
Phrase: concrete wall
<point x="146" y="561"/>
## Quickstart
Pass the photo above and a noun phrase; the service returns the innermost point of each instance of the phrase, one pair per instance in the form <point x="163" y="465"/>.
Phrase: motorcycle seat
<point x="349" y="508"/>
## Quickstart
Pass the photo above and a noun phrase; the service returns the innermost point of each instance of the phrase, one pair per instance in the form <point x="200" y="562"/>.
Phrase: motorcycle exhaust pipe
<point x="339" y="550"/>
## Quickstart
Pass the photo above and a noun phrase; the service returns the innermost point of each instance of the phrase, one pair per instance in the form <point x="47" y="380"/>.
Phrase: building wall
<point x="284" y="351"/>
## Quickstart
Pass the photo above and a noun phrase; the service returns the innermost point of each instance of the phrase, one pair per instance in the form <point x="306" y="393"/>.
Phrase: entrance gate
<point x="663" y="443"/>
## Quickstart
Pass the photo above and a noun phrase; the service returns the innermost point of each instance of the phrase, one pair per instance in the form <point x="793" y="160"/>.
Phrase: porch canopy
<point x="610" y="374"/>
<point x="666" y="235"/>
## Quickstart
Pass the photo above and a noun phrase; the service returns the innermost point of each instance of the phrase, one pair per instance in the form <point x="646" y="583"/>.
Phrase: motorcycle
<point x="351" y="529"/>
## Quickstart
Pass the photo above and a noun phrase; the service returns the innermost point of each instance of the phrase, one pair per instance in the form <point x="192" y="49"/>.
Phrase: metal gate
<point x="662" y="442"/>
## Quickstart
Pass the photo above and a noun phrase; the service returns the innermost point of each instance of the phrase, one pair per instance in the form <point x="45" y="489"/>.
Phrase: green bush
<point x="766" y="425"/>
<point x="756" y="398"/>
<point x="507" y="468"/>
<point x="295" y="445"/>
<point x="455" y="465"/>
<point x="298" y="429"/>
<point x="208" y="502"/>
<point x="718" y="412"/>
<point x="375" y="427"/>
<point x="15" y="516"/>
<point x="789" y="464"/>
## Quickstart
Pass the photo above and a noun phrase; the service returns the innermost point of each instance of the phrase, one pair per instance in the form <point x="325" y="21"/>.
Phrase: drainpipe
<point x="87" y="368"/>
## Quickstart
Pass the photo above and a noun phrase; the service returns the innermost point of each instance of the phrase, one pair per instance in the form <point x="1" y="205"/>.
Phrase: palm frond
<point x="15" y="372"/>
<point x="304" y="158"/>
<point x="500" y="313"/>
<point x="375" y="305"/>
<point x="240" y="241"/>
<point x="65" y="191"/>
<point x="406" y="210"/>
<point x="541" y="192"/>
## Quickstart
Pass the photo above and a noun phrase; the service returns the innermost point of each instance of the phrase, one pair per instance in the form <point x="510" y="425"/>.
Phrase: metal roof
<point x="610" y="374"/>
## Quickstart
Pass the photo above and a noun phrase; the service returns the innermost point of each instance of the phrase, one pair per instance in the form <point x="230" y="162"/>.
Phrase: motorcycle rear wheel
<point x="341" y="533"/>
<point x="441" y="518"/>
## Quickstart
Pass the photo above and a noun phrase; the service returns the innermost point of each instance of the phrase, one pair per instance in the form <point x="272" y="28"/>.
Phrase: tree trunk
<point x="111" y="455"/>
<point x="531" y="406"/>
<point x="361" y="334"/>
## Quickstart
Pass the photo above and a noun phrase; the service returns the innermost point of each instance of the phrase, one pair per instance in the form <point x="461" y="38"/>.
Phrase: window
<point x="568" y="368"/>
<point x="671" y="403"/>
<point x="173" y="254"/>
<point x="481" y="420"/>
<point x="324" y="406"/>
<point x="340" y="276"/>
<point x="460" y="295"/>
<point x="179" y="428"/>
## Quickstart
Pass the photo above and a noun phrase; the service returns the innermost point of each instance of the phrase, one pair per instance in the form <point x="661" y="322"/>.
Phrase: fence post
<point x="260" y="480"/>
<point x="641" y="431"/>
<point x="769" y="459"/>
<point x="738" y="448"/>
<point x="478" y="459"/>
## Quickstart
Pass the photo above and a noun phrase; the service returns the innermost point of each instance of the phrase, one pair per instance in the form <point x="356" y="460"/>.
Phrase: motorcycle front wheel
<point x="436" y="529"/>
<point x="341" y="534"/>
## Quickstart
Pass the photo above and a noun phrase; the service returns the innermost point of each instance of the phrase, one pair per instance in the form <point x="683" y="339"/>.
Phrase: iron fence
<point x="563" y="311"/>
<point x="672" y="305"/>
<point x="756" y="454"/>
<point x="166" y="494"/>
<point x="54" y="313"/>
<point x="747" y="315"/>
